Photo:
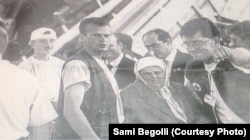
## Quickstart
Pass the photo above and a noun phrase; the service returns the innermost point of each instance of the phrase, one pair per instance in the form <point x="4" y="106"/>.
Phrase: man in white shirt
<point x="91" y="95"/>
<point x="45" y="67"/>
<point x="215" y="73"/>
<point x="22" y="101"/>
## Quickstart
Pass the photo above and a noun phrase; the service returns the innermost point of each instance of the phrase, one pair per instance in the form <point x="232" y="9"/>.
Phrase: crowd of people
<point x="44" y="97"/>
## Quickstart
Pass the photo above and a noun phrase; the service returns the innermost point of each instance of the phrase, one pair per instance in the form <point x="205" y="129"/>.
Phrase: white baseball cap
<point x="43" y="33"/>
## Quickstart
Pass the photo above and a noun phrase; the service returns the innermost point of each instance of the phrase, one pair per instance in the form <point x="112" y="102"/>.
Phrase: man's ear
<point x="82" y="38"/>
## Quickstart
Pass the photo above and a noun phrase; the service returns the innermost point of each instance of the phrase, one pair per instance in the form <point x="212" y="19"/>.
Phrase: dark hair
<point x="92" y="20"/>
<point x="162" y="35"/>
<point x="207" y="28"/>
<point x="125" y="39"/>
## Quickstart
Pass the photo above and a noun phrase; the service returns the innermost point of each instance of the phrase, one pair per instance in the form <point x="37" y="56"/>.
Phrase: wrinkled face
<point x="199" y="47"/>
<point x="160" y="49"/>
<point x="154" y="77"/>
<point x="97" y="38"/>
<point x="42" y="46"/>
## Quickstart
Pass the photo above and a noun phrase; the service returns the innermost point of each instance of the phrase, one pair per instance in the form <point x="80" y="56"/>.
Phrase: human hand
<point x="221" y="52"/>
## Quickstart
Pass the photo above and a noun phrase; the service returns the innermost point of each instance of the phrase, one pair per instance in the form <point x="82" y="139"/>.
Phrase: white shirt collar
<point x="210" y="67"/>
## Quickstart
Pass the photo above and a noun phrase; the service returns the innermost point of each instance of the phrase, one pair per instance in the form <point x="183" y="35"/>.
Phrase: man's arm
<point x="74" y="95"/>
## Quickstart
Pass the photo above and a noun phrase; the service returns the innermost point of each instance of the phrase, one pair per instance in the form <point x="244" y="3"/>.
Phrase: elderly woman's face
<point x="154" y="77"/>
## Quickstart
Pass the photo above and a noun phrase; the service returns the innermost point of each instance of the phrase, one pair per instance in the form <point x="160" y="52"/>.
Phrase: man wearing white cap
<point x="152" y="99"/>
<point x="22" y="101"/>
<point x="45" y="67"/>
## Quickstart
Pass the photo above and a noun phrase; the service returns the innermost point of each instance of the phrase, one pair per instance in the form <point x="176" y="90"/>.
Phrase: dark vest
<point x="231" y="83"/>
<point x="99" y="103"/>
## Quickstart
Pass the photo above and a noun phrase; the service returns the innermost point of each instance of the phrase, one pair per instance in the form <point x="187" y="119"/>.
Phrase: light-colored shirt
<point x="23" y="103"/>
<point x="47" y="72"/>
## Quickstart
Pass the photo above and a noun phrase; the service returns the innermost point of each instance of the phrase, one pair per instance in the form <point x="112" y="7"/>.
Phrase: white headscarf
<point x="149" y="62"/>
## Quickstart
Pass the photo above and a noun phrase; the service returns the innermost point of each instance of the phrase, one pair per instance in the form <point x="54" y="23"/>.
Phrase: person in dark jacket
<point x="217" y="74"/>
<point x="159" y="44"/>
<point x="119" y="64"/>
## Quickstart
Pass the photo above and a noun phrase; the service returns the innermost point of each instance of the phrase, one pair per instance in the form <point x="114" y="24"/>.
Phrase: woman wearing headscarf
<point x="153" y="99"/>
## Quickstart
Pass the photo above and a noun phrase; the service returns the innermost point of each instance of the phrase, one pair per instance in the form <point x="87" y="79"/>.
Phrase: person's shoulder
<point x="128" y="59"/>
<point x="129" y="94"/>
<point x="179" y="90"/>
<point x="127" y="63"/>
<point x="176" y="85"/>
<point x="183" y="54"/>
<point x="128" y="90"/>
<point x="75" y="63"/>
<point x="56" y="59"/>
<point x="27" y="61"/>
<point x="194" y="64"/>
<point x="21" y="74"/>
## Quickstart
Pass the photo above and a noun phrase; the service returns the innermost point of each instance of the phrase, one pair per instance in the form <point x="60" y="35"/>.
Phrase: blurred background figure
<point x="239" y="34"/>
<point x="23" y="102"/>
<point x="121" y="66"/>
<point x="13" y="53"/>
<point x="126" y="43"/>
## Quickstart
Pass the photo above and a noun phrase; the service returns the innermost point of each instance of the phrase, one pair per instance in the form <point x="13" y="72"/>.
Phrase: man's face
<point x="97" y="38"/>
<point x="201" y="48"/>
<point x="43" y="46"/>
<point x="114" y="50"/>
<point x="160" y="49"/>
<point x="154" y="77"/>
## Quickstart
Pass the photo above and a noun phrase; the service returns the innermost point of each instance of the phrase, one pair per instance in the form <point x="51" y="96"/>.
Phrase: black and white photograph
<point x="70" y="68"/>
